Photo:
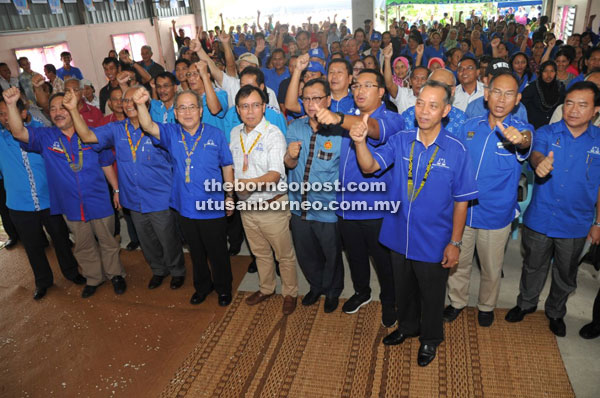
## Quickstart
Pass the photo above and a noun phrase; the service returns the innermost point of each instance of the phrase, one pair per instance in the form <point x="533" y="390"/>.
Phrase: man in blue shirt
<point x="214" y="102"/>
<point x="434" y="49"/>
<point x="68" y="71"/>
<point x="145" y="174"/>
<point x="199" y="155"/>
<point x="28" y="200"/>
<point x="360" y="228"/>
<point x="78" y="190"/>
<point x="161" y="110"/>
<point x="279" y="72"/>
<point x="566" y="160"/>
<point x="497" y="144"/>
<point x="434" y="180"/>
<point x="313" y="157"/>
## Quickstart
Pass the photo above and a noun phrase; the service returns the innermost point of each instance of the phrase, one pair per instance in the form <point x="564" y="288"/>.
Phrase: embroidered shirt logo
<point x="595" y="150"/>
<point x="209" y="143"/>
<point x="441" y="162"/>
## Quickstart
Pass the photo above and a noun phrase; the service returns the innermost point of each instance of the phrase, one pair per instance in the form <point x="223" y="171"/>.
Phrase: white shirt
<point x="267" y="155"/>
<point x="462" y="99"/>
<point x="13" y="82"/>
<point x="232" y="85"/>
<point x="404" y="99"/>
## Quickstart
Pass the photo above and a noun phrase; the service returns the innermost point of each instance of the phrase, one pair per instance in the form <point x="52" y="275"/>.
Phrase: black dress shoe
<point x="224" y="300"/>
<point x="119" y="284"/>
<point x="156" y="281"/>
<point x="40" y="292"/>
<point x="310" y="298"/>
<point x="79" y="280"/>
<point x="451" y="313"/>
<point x="426" y="354"/>
<point x="10" y="243"/>
<point x="558" y="327"/>
<point x="88" y="291"/>
<point x="331" y="304"/>
<point x="132" y="246"/>
<point x="516" y="314"/>
<point x="397" y="337"/>
<point x="485" y="318"/>
<point x="198" y="298"/>
<point x="388" y="316"/>
<point x="177" y="282"/>
<point x="234" y="251"/>
<point x="590" y="331"/>
<point x="252" y="267"/>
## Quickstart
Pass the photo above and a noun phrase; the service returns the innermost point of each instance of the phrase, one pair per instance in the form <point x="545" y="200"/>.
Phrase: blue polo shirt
<point x="406" y="51"/>
<point x="211" y="153"/>
<point x="24" y="174"/>
<point x="390" y="123"/>
<point x="324" y="167"/>
<point x="209" y="118"/>
<point x="344" y="105"/>
<point x="497" y="168"/>
<point x="431" y="52"/>
<point x="144" y="185"/>
<point x="478" y="107"/>
<point x="452" y="123"/>
<point x="73" y="72"/>
<point x="579" y="78"/>
<point x="525" y="81"/>
<point x="232" y="119"/>
<point x="159" y="112"/>
<point x="82" y="195"/>
<point x="273" y="80"/>
<point x="422" y="229"/>
<point x="562" y="205"/>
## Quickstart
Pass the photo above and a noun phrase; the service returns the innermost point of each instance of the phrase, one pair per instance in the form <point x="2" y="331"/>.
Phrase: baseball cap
<point x="85" y="82"/>
<point x="376" y="36"/>
<point x="248" y="57"/>
<point x="315" y="67"/>
<point x="316" y="53"/>
<point x="497" y="66"/>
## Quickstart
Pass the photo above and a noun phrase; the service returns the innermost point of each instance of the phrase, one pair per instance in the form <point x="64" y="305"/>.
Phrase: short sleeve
<point x="276" y="147"/>
<point x="105" y="136"/>
<point x="541" y="140"/>
<point x="279" y="121"/>
<point x="385" y="155"/>
<point x="166" y="134"/>
<point x="464" y="186"/>
<point x="36" y="139"/>
<point x="293" y="133"/>
<point x="222" y="96"/>
<point x="225" y="153"/>
<point x="389" y="125"/>
<point x="106" y="158"/>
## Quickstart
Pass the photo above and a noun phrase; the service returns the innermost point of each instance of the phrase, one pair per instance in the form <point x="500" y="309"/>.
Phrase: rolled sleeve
<point x="35" y="142"/>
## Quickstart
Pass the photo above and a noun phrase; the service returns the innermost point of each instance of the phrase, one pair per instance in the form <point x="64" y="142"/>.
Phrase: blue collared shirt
<point x="344" y="105"/>
<point x="431" y="52"/>
<point x="579" y="78"/>
<point x="390" y="123"/>
<point x="73" y="72"/>
<point x="273" y="80"/>
<point x="422" y="229"/>
<point x="451" y="123"/>
<point x="159" y="112"/>
<point x="232" y="119"/>
<point x="562" y="205"/>
<point x="24" y="174"/>
<point x="82" y="195"/>
<point x="209" y="118"/>
<point x="211" y="154"/>
<point x="144" y="185"/>
<point x="324" y="167"/>
<point x="478" y="107"/>
<point x="497" y="167"/>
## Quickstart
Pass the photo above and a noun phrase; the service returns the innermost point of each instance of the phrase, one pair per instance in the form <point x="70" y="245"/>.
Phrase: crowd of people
<point x="446" y="116"/>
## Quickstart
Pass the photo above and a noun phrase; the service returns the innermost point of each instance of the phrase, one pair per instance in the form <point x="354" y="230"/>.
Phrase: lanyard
<point x="245" y="167"/>
<point x="188" y="153"/>
<point x="131" y="147"/>
<point x="412" y="196"/>
<point x="75" y="167"/>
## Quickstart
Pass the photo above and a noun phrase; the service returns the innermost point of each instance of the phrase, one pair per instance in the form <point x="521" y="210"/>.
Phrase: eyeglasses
<point x="506" y="94"/>
<point x="246" y="107"/>
<point x="192" y="74"/>
<point x="463" y="68"/>
<point x="191" y="108"/>
<point x="127" y="100"/>
<point x="314" y="100"/>
<point x="367" y="85"/>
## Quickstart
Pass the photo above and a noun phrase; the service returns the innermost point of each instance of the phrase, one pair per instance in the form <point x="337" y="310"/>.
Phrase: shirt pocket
<point x="504" y="159"/>
<point x="593" y="169"/>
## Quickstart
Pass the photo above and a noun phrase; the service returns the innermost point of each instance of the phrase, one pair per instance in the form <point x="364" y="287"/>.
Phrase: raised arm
<point x="216" y="73"/>
<point x="141" y="97"/>
<point x="230" y="67"/>
<point x="173" y="28"/>
<point x="214" y="106"/>
<point x="291" y="155"/>
<point x="548" y="51"/>
<point x="420" y="51"/>
<point x="41" y="96"/>
<point x="291" y="97"/>
<point x="84" y="132"/>
<point x="387" y="71"/>
<point x="15" y="123"/>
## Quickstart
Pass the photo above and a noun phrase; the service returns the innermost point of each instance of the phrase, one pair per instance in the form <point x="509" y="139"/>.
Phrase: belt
<point x="274" y="198"/>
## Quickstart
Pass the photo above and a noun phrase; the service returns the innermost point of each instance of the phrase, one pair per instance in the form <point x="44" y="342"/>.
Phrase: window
<point x="187" y="29"/>
<point x="40" y="56"/>
<point x="132" y="42"/>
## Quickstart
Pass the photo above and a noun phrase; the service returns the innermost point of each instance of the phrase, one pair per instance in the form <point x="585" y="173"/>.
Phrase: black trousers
<point x="29" y="227"/>
<point x="596" y="313"/>
<point x="361" y="240"/>
<point x="420" y="292"/>
<point x="7" y="223"/>
<point x="235" y="231"/>
<point x="207" y="240"/>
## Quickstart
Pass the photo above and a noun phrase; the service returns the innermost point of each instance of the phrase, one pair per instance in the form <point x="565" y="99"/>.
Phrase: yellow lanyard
<point x="188" y="160"/>
<point x="75" y="167"/>
<point x="245" y="167"/>
<point x="133" y="148"/>
<point x="412" y="197"/>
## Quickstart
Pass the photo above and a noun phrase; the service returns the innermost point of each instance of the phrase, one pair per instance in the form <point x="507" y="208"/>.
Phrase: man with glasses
<point x="313" y="157"/>
<point x="213" y="102"/>
<point x="258" y="148"/>
<point x="498" y="144"/>
<point x="360" y="229"/>
<point x="145" y="177"/>
<point x="199" y="153"/>
<point x="470" y="88"/>
<point x="161" y="110"/>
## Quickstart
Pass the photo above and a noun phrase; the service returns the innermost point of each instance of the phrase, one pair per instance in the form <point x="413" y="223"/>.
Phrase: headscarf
<point x="451" y="43"/>
<point x="434" y="60"/>
<point x="401" y="82"/>
<point x="550" y="93"/>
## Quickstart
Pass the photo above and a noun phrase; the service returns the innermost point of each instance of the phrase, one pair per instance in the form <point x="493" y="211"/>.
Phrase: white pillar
<point x="361" y="10"/>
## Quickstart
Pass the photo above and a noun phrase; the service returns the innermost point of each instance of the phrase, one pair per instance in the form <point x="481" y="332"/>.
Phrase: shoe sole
<point x="391" y="326"/>
<point x="358" y="308"/>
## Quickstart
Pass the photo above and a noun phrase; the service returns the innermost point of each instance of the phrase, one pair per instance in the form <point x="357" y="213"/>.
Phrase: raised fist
<point x="141" y="96"/>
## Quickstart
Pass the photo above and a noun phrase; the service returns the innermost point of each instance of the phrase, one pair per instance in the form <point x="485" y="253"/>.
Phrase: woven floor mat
<point x="257" y="352"/>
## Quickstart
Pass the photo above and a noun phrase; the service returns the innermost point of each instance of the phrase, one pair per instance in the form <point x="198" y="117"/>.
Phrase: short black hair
<point x="65" y="54"/>
<point x="111" y="89"/>
<point x="259" y="34"/>
<point x="340" y="61"/>
<point x="50" y="68"/>
<point x="451" y="52"/>
<point x="420" y="67"/>
<point x="277" y="50"/>
<point x="3" y="64"/>
<point x="320" y="81"/>
<point x="183" y="61"/>
<point x="468" y="58"/>
<point x="303" y="32"/>
<point x="585" y="85"/>
<point x="566" y="51"/>
<point x="59" y="94"/>
<point x="485" y="59"/>
<point x="20" y="104"/>
<point x="254" y="71"/>
<point x="378" y="76"/>
<point x="416" y="37"/>
<point x="435" y="83"/>
<point x="166" y="75"/>
<point x="110" y="60"/>
<point x="247" y="90"/>
<point x="516" y="79"/>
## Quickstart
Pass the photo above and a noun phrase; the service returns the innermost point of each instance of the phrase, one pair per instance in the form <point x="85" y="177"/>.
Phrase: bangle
<point x="341" y="115"/>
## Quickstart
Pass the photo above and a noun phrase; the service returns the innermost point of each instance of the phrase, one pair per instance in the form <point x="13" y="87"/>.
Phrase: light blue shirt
<point x="232" y="119"/>
<point x="159" y="112"/>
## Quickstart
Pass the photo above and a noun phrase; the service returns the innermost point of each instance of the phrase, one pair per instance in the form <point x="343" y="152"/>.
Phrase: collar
<point x="260" y="127"/>
<point x="478" y="85"/>
<point x="440" y="140"/>
<point x="348" y="95"/>
<point x="380" y="111"/>
<point x="561" y="126"/>
<point x="85" y="107"/>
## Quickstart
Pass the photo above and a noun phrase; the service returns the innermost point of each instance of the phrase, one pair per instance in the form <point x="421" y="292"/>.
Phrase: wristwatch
<point x="596" y="224"/>
<point x="115" y="190"/>
<point x="457" y="244"/>
<point x="341" y="115"/>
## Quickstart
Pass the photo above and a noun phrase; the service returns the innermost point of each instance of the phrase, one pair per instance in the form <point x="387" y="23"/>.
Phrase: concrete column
<point x="361" y="10"/>
<point x="198" y="11"/>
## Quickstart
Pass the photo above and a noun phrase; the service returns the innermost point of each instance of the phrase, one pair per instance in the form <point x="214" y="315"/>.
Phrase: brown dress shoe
<point x="257" y="297"/>
<point x="289" y="305"/>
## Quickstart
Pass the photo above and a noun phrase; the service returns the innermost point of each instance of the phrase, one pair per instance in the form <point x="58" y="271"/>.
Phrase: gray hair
<point x="79" y="83"/>
<point x="130" y="88"/>
<point x="195" y="94"/>
<point x="435" y="83"/>
<point x="147" y="47"/>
